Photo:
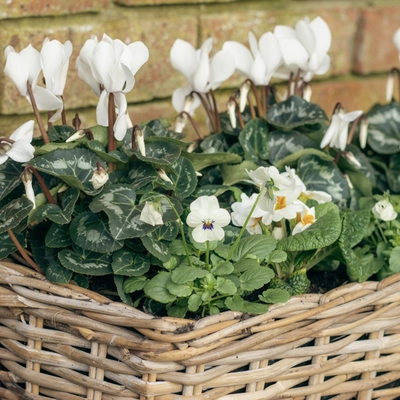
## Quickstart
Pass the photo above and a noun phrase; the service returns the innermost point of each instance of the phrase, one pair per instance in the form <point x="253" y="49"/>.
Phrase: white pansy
<point x="18" y="147"/>
<point x="151" y="214"/>
<point x="24" y="68"/>
<point x="202" y="73"/>
<point x="383" y="210"/>
<point x="338" y="130"/>
<point x="207" y="219"/>
<point x="304" y="220"/>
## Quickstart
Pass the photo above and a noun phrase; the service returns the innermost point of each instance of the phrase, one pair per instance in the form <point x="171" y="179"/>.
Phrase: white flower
<point x="54" y="58"/>
<point x="26" y="178"/>
<point x="151" y="214"/>
<point x="277" y="233"/>
<point x="337" y="133"/>
<point x="261" y="62"/>
<point x="112" y="64"/>
<point x="383" y="210"/>
<point x="363" y="132"/>
<point x="241" y="210"/>
<point x="161" y="173"/>
<point x="24" y="67"/>
<point x="18" y="147"/>
<point x="201" y="73"/>
<point x="207" y="219"/>
<point x="396" y="40"/>
<point x="305" y="219"/>
<point x="100" y="177"/>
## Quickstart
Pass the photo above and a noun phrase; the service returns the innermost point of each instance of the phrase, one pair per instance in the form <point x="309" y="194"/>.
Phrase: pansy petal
<point x="183" y="58"/>
<point x="220" y="216"/>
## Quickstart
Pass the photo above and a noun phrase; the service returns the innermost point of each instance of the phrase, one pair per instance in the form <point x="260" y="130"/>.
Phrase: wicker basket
<point x="64" y="342"/>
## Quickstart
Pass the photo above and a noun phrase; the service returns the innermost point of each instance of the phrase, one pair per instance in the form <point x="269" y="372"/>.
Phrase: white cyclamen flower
<point x="304" y="220"/>
<point x="337" y="133"/>
<point x="207" y="219"/>
<point x="23" y="68"/>
<point x="54" y="58"/>
<point x="202" y="73"/>
<point x="100" y="177"/>
<point x="383" y="210"/>
<point x="151" y="214"/>
<point x="112" y="64"/>
<point x="18" y="147"/>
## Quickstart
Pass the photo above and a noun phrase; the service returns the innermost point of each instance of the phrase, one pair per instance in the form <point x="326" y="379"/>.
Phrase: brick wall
<point x="362" y="49"/>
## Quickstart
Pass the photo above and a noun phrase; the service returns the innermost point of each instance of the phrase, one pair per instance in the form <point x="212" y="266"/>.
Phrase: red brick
<point x="375" y="50"/>
<point x="29" y="8"/>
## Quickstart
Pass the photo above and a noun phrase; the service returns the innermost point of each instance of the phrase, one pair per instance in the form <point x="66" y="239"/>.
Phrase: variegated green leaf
<point x="127" y="262"/>
<point x="393" y="173"/>
<point x="216" y="190"/>
<point x="156" y="248"/>
<point x="90" y="232"/>
<point x="49" y="147"/>
<point x="295" y="112"/>
<point x="141" y="174"/>
<point x="85" y="262"/>
<point x="204" y="160"/>
<point x="233" y="174"/>
<point x="6" y="244"/>
<point x="324" y="175"/>
<point x="384" y="128"/>
<point x="254" y="140"/>
<point x="74" y="167"/>
<point x="60" y="133"/>
<point x="160" y="155"/>
<point x="112" y="156"/>
<point x="10" y="173"/>
<point x="185" y="179"/>
<point x="14" y="213"/>
<point x="58" y="236"/>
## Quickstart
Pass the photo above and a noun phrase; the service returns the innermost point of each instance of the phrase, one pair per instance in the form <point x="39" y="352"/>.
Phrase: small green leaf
<point x="187" y="273"/>
<point x="256" y="245"/>
<point x="179" y="290"/>
<point x="274" y="296"/>
<point x="156" y="288"/>
<point x="195" y="302"/>
<point x="256" y="278"/>
<point x="134" y="283"/>
<point x="112" y="156"/>
<point x="60" y="133"/>
<point x="185" y="179"/>
<point x="233" y="174"/>
<point x="141" y="174"/>
<point x="394" y="259"/>
<point x="160" y="155"/>
<point x="217" y="190"/>
<point x="222" y="268"/>
<point x="119" y="284"/>
<point x="127" y="262"/>
<point x="225" y="286"/>
<point x="204" y="160"/>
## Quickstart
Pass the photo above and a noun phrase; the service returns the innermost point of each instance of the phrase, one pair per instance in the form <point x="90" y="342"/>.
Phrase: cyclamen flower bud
<point x="151" y="214"/>
<point x="77" y="135"/>
<point x="244" y="91"/>
<point x="231" y="108"/>
<point x="180" y="122"/>
<point x="100" y="177"/>
<point x="140" y="142"/>
<point x="161" y="173"/>
<point x="26" y="178"/>
<point x="363" y="131"/>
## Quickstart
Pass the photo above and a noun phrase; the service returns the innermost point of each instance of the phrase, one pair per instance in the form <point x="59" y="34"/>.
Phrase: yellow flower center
<point x="280" y="202"/>
<point x="307" y="218"/>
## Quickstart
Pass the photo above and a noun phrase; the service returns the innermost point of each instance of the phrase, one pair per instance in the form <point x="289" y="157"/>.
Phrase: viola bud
<point x="77" y="135"/>
<point x="231" y="108"/>
<point x="161" y="173"/>
<point x="151" y="214"/>
<point x="244" y="91"/>
<point x="100" y="177"/>
<point x="383" y="210"/>
<point x="180" y="122"/>
<point x="26" y="178"/>
<point x="363" y="131"/>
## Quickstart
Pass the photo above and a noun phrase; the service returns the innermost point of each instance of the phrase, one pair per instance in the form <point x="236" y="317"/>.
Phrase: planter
<point x="65" y="342"/>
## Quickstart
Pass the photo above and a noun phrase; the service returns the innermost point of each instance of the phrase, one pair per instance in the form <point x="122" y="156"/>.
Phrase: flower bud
<point x="349" y="156"/>
<point x="189" y="100"/>
<point x="383" y="210"/>
<point x="390" y="86"/>
<point x="180" y="122"/>
<point x="161" y="173"/>
<point x="244" y="91"/>
<point x="363" y="132"/>
<point x="231" y="108"/>
<point x="151" y="214"/>
<point x="77" y="135"/>
<point x="140" y="142"/>
<point x="277" y="233"/>
<point x="26" y="178"/>
<point x="4" y="148"/>
<point x="345" y="176"/>
<point x="100" y="177"/>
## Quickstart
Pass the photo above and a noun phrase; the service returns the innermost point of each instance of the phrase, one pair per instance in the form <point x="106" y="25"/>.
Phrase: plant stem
<point x="215" y="107"/>
<point x="207" y="255"/>
<point x="257" y="97"/>
<point x="37" y="114"/>
<point x="23" y="252"/>
<point x="42" y="184"/>
<point x="63" y="116"/>
<point x="319" y="257"/>
<point x="195" y="126"/>
<point x="209" y="112"/>
<point x="236" y="243"/>
<point x="353" y="129"/>
<point x="381" y="230"/>
<point x="111" y="121"/>
<point x="251" y="107"/>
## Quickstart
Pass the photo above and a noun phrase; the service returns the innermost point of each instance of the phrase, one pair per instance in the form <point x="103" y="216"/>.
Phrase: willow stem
<point x="23" y="253"/>
<point x="42" y="184"/>
<point x="193" y="122"/>
<point x="37" y="114"/>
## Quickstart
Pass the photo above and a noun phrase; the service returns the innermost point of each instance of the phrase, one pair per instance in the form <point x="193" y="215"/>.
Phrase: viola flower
<point x="383" y="210"/>
<point x="202" y="73"/>
<point x="18" y="147"/>
<point x="113" y="65"/>
<point x="151" y="214"/>
<point x="24" y="67"/>
<point x="54" y="59"/>
<point x="337" y="133"/>
<point x="304" y="220"/>
<point x="241" y="210"/>
<point x="207" y="219"/>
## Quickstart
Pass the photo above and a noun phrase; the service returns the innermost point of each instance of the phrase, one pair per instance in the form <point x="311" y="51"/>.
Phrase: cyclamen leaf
<point x="295" y="112"/>
<point x="254" y="140"/>
<point x="160" y="155"/>
<point x="14" y="213"/>
<point x="86" y="262"/>
<point x="6" y="244"/>
<point x="256" y="278"/>
<point x="233" y="174"/>
<point x="393" y="173"/>
<point x="10" y="177"/>
<point x="141" y="174"/>
<point x="185" y="179"/>
<point x="156" y="248"/>
<point x="60" y="133"/>
<point x="217" y="190"/>
<point x="75" y="167"/>
<point x="127" y="262"/>
<point x="58" y="236"/>
<point x="112" y="156"/>
<point x="90" y="232"/>
<point x="204" y="160"/>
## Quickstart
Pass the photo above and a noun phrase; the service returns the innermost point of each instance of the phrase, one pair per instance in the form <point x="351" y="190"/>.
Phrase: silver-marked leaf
<point x="384" y="128"/>
<point x="233" y="174"/>
<point x="393" y="173"/>
<point x="112" y="156"/>
<point x="6" y="244"/>
<point x="281" y="144"/>
<point x="141" y="174"/>
<point x="90" y="232"/>
<point x="59" y="133"/>
<point x="75" y="167"/>
<point x="58" y="236"/>
<point x="56" y="273"/>
<point x="204" y="160"/>
<point x="254" y="140"/>
<point x="216" y="190"/>
<point x="119" y="284"/>
<point x="156" y="288"/>
<point x="127" y="262"/>
<point x="160" y="155"/>
<point x="10" y="176"/>
<point x="295" y="112"/>
<point x="292" y="159"/>
<point x="14" y="213"/>
<point x="85" y="262"/>
<point x="48" y="147"/>
<point x="320" y="174"/>
<point x="185" y="179"/>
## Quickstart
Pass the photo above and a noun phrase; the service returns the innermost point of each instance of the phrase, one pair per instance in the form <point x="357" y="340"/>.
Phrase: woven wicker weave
<point x="64" y="342"/>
